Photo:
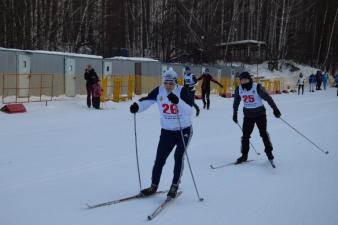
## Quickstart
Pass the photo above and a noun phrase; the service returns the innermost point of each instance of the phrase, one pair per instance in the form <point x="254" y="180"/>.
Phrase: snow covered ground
<point x="263" y="71"/>
<point x="55" y="159"/>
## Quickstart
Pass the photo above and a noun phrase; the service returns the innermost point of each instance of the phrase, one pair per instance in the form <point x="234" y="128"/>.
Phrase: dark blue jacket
<point x="312" y="78"/>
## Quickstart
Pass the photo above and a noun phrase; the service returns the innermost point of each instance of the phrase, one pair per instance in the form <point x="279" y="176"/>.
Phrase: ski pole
<point x="249" y="141"/>
<point x="138" y="167"/>
<point x="186" y="154"/>
<point x="326" y="152"/>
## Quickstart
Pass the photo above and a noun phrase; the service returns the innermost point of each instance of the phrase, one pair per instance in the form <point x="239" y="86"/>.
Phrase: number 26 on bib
<point x="169" y="108"/>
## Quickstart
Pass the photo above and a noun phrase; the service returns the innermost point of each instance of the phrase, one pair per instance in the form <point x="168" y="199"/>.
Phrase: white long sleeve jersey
<point x="301" y="81"/>
<point x="190" y="81"/>
<point x="169" y="112"/>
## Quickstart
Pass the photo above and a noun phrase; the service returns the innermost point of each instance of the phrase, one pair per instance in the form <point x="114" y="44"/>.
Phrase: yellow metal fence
<point x="27" y="87"/>
<point x="229" y="86"/>
<point x="117" y="88"/>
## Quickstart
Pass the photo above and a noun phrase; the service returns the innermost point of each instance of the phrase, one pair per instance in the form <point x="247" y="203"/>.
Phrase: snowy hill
<point x="286" y="71"/>
<point x="55" y="159"/>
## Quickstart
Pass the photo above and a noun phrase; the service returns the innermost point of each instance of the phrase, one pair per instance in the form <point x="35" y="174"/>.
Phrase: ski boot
<point x="150" y="190"/>
<point x="241" y="159"/>
<point x="197" y="112"/>
<point x="173" y="191"/>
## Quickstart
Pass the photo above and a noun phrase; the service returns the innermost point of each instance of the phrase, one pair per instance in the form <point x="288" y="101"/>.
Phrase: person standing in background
<point x="205" y="87"/>
<point x="325" y="79"/>
<point x="336" y="79"/>
<point x="300" y="83"/>
<point x="319" y="79"/>
<point x="312" y="82"/>
<point x="190" y="82"/>
<point x="91" y="79"/>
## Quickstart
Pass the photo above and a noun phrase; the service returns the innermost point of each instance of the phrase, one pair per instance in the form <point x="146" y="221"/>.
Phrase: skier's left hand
<point x="276" y="112"/>
<point x="234" y="117"/>
<point x="173" y="98"/>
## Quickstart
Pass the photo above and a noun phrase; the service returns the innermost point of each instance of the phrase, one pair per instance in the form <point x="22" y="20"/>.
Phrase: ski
<point x="137" y="196"/>
<point x="163" y="205"/>
<point x="272" y="164"/>
<point x="229" y="164"/>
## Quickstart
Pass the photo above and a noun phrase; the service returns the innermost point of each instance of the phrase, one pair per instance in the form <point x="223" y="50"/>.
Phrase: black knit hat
<point x="245" y="75"/>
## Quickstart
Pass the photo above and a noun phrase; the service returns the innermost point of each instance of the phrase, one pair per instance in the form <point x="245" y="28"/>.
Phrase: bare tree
<point x="178" y="30"/>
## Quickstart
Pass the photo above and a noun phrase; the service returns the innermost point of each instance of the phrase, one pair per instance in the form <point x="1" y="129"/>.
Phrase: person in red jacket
<point x="205" y="87"/>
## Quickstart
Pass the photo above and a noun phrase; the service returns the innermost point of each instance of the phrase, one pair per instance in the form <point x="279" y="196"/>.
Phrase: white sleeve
<point x="144" y="105"/>
<point x="146" y="102"/>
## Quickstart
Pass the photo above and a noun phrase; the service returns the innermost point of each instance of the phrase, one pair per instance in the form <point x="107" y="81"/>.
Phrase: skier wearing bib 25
<point x="175" y="106"/>
<point x="254" y="113"/>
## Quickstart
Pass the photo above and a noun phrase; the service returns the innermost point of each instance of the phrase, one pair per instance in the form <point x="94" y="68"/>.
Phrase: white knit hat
<point x="170" y="75"/>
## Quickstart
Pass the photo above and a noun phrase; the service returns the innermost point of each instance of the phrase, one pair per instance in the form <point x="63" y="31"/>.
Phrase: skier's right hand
<point x="173" y="98"/>
<point x="234" y="117"/>
<point x="134" y="108"/>
<point x="276" y="112"/>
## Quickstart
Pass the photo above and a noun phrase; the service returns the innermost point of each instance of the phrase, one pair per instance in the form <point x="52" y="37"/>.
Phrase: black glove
<point x="234" y="117"/>
<point x="134" y="108"/>
<point x="173" y="98"/>
<point x="276" y="112"/>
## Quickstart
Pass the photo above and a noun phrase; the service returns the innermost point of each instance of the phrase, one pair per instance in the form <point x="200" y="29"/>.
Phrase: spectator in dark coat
<point x="312" y="82"/>
<point x="206" y="78"/>
<point x="91" y="79"/>
<point x="319" y="78"/>
<point x="336" y="79"/>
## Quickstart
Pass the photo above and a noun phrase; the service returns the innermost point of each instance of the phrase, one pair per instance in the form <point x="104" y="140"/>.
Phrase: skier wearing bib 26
<point x="254" y="113"/>
<point x="175" y="106"/>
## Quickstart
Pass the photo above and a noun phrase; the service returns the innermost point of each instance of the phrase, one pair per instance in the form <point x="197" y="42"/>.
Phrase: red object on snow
<point x="14" y="108"/>
<point x="226" y="95"/>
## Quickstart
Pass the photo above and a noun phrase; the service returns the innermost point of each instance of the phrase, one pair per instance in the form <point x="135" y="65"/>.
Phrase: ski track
<point x="65" y="155"/>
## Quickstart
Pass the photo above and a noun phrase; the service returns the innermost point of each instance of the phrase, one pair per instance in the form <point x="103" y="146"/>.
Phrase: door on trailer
<point x="232" y="79"/>
<point x="24" y="75"/>
<point x="138" y="78"/>
<point x="70" y="77"/>
<point x="219" y="75"/>
<point x="219" y="79"/>
<point x="107" y="72"/>
<point x="164" y="68"/>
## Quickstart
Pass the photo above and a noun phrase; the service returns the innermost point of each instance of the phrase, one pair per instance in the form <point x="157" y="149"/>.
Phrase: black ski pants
<point x="168" y="140"/>
<point x="248" y="126"/>
<point x="96" y="102"/>
<point x="206" y="97"/>
<point x="192" y="95"/>
<point x="89" y="88"/>
<point x="301" y="86"/>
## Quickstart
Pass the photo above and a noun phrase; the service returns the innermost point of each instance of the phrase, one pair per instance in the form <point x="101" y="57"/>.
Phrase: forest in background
<point x="174" y="30"/>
